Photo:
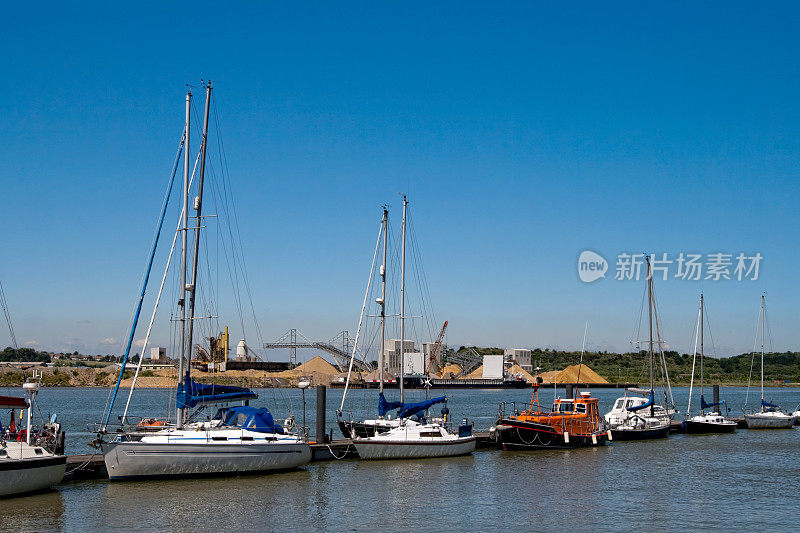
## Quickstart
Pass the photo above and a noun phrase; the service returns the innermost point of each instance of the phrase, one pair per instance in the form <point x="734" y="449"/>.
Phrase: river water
<point x="709" y="482"/>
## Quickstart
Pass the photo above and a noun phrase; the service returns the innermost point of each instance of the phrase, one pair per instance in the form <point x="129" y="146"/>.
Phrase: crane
<point x="435" y="353"/>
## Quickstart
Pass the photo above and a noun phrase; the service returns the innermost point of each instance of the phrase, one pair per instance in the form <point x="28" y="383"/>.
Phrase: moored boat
<point x="31" y="459"/>
<point x="712" y="422"/>
<point x="570" y="423"/>
<point x="770" y="415"/>
<point x="238" y="438"/>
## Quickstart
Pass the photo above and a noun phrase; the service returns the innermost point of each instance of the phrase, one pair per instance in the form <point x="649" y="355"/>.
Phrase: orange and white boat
<point x="570" y="423"/>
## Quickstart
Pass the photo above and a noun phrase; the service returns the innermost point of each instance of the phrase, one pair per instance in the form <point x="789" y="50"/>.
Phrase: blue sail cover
<point x="410" y="409"/>
<point x="191" y="393"/>
<point x="648" y="403"/>
<point x="704" y="405"/>
<point x="769" y="405"/>
<point x="385" y="406"/>
<point x="252" y="419"/>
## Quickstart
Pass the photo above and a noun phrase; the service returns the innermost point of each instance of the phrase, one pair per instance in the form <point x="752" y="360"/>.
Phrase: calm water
<point x="710" y="482"/>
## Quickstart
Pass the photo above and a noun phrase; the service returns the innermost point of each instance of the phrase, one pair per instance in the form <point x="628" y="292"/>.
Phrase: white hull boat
<point x="25" y="468"/>
<point x="769" y="420"/>
<point x="200" y="450"/>
<point x="414" y="441"/>
<point x="30" y="459"/>
<point x="125" y="460"/>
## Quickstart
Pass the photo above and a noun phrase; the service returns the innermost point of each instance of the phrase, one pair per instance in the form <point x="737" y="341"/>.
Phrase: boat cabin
<point x="578" y="416"/>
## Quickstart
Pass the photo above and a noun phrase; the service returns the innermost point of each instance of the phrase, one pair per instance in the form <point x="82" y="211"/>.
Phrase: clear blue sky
<point x="524" y="133"/>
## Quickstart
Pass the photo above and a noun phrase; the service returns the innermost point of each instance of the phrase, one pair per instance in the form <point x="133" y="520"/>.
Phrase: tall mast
<point x="198" y="206"/>
<point x="650" y="320"/>
<point x="182" y="299"/>
<point x="385" y="224"/>
<point x="701" y="347"/>
<point x="403" y="302"/>
<point x="762" y="351"/>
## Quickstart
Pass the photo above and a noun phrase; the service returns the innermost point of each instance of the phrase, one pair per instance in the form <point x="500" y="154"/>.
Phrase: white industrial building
<point x="391" y="354"/>
<point x="493" y="367"/>
<point x="157" y="353"/>
<point x="519" y="356"/>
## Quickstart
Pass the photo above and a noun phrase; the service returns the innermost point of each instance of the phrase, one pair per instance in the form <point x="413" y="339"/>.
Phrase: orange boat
<point x="571" y="423"/>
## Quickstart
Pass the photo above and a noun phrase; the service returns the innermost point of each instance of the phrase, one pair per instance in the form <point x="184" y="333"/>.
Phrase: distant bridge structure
<point x="340" y="347"/>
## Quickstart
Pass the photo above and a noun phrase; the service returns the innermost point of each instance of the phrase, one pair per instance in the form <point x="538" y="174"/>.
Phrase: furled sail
<point x="191" y="393"/>
<point x="648" y="403"/>
<point x="385" y="406"/>
<point x="704" y="405"/>
<point x="410" y="409"/>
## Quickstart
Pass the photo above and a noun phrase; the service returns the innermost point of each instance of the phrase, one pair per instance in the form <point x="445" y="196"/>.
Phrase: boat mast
<point x="650" y="320"/>
<point x="403" y="302"/>
<point x="198" y="206"/>
<point x="383" y="298"/>
<point x="701" y="352"/>
<point x="182" y="299"/>
<point x="762" y="352"/>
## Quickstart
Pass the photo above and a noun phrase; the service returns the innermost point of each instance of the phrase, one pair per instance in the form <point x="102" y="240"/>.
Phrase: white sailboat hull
<point x="400" y="449"/>
<point x="20" y="476"/>
<point x="126" y="460"/>
<point x="770" y="420"/>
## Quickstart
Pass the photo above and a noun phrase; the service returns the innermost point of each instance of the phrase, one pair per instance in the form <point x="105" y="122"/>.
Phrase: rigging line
<point x="361" y="319"/>
<point x="752" y="359"/>
<point x="145" y="279"/>
<point x="694" y="360"/>
<point x="8" y="317"/>
<point x="226" y="186"/>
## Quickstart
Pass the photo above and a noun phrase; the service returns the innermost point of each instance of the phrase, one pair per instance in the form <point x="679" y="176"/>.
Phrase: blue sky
<point x="523" y="134"/>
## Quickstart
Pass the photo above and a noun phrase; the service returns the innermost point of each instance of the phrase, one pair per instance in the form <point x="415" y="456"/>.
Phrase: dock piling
<point x="321" y="433"/>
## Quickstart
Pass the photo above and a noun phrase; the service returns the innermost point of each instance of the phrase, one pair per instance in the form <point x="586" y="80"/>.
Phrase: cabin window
<point x="247" y="438"/>
<point x="555" y="408"/>
<point x="619" y="404"/>
<point x="630" y="404"/>
<point x="430" y="434"/>
<point x="580" y="408"/>
<point x="219" y="438"/>
<point x="567" y="407"/>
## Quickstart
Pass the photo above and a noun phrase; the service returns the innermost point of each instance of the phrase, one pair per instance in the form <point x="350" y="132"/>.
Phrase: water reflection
<point x="36" y="512"/>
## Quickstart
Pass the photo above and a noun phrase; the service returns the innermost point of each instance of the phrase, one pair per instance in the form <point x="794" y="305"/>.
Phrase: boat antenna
<point x="583" y="347"/>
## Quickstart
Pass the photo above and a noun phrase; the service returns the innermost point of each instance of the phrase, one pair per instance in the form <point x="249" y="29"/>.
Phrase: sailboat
<point x="237" y="438"/>
<point x="635" y="418"/>
<point x="30" y="459"/>
<point x="370" y="427"/>
<point x="713" y="421"/>
<point x="770" y="416"/>
<point x="414" y="436"/>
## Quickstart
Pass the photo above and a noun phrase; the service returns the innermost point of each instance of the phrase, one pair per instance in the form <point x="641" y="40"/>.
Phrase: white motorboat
<point x="238" y="439"/>
<point x="770" y="416"/>
<point x="30" y="459"/>
<point x="412" y="440"/>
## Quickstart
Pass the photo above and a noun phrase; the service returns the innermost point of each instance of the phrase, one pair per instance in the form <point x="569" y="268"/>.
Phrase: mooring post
<point x="321" y="436"/>
<point x="716" y="398"/>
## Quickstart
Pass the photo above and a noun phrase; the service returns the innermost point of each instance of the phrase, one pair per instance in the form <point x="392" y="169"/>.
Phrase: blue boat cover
<point x="648" y="403"/>
<point x="767" y="404"/>
<point x="410" y="409"/>
<point x="191" y="393"/>
<point x="386" y="406"/>
<point x="704" y="405"/>
<point x="252" y="419"/>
